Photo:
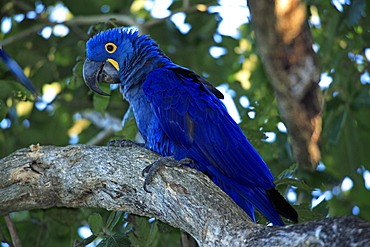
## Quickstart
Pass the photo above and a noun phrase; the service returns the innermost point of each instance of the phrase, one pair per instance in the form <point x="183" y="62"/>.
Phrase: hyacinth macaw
<point x="180" y="114"/>
<point x="18" y="72"/>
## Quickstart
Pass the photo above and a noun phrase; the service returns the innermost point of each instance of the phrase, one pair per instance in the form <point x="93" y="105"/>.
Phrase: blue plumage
<point x="180" y="114"/>
<point x="18" y="72"/>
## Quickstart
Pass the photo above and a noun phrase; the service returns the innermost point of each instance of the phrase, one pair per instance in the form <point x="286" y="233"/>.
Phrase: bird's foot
<point x="124" y="143"/>
<point x="169" y="161"/>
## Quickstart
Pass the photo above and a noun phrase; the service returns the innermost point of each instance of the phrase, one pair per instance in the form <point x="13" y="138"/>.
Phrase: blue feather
<point x="18" y="72"/>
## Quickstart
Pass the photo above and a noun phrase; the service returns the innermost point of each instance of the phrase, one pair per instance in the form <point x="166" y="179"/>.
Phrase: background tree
<point x="50" y="48"/>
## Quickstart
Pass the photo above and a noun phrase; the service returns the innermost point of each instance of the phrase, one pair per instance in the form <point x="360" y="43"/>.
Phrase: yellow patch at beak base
<point x="114" y="63"/>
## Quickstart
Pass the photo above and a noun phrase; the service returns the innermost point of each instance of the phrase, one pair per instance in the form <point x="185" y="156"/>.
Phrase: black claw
<point x="145" y="186"/>
<point x="188" y="161"/>
<point x="146" y="170"/>
<point x="169" y="161"/>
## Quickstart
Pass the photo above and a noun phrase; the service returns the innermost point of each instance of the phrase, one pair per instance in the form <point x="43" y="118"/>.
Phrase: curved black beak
<point x="94" y="72"/>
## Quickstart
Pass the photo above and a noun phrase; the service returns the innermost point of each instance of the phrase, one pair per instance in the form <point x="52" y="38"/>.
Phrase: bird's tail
<point x="269" y="202"/>
<point x="282" y="206"/>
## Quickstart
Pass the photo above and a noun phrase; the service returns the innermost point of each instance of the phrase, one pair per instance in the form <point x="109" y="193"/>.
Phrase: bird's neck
<point x="136" y="70"/>
<point x="133" y="75"/>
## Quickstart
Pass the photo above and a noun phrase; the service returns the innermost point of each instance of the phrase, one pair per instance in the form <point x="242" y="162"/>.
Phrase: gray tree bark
<point x="89" y="176"/>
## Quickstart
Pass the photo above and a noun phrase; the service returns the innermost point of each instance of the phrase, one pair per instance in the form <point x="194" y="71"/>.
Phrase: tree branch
<point x="88" y="176"/>
<point x="13" y="233"/>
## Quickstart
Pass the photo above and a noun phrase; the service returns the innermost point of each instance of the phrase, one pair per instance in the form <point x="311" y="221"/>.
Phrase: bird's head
<point x="106" y="53"/>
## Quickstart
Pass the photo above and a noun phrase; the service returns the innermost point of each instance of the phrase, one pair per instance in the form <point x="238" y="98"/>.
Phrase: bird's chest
<point x="150" y="128"/>
<point x="154" y="135"/>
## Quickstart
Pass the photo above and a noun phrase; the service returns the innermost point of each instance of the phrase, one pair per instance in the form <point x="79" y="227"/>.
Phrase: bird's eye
<point x="110" y="47"/>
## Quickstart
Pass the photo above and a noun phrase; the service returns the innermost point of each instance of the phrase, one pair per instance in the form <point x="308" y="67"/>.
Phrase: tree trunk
<point x="88" y="176"/>
<point x="285" y="44"/>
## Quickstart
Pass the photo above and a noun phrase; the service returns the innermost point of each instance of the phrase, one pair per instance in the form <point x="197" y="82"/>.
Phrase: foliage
<point x="54" y="65"/>
<point x="136" y="231"/>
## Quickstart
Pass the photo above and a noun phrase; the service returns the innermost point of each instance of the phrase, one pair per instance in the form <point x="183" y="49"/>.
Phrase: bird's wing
<point x="193" y="118"/>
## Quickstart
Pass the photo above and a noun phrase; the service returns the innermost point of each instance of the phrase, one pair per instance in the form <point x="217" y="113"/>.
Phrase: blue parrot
<point x="180" y="116"/>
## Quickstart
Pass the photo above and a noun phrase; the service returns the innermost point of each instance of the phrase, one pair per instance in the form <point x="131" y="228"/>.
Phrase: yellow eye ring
<point x="110" y="47"/>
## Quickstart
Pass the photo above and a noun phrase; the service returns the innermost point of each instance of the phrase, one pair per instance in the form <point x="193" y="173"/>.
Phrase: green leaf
<point x="113" y="219"/>
<point x="347" y="151"/>
<point x="144" y="233"/>
<point x="335" y="125"/>
<point x="287" y="172"/>
<point x="293" y="182"/>
<point x="355" y="12"/>
<point x="85" y="241"/>
<point x="3" y="109"/>
<point x="307" y="214"/>
<point x="116" y="240"/>
<point x="96" y="223"/>
<point x="363" y="98"/>
<point x="101" y="102"/>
